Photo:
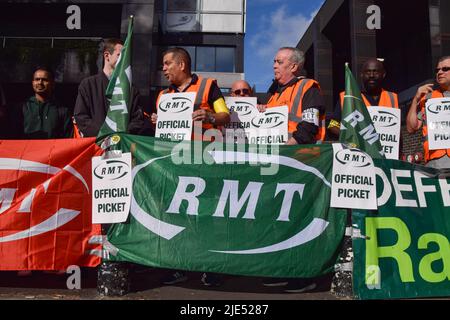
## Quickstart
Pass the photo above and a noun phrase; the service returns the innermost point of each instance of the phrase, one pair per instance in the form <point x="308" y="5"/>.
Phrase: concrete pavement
<point x="145" y="284"/>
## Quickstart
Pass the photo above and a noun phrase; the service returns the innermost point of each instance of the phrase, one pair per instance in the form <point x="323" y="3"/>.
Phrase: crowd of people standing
<point x="41" y="116"/>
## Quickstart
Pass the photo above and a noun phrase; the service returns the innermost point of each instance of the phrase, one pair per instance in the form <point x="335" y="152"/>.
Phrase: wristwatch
<point x="211" y="118"/>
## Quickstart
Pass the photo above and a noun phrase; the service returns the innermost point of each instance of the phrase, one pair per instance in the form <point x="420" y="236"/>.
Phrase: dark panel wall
<point x="49" y="20"/>
<point x="404" y="41"/>
<point x="338" y="32"/>
<point x="445" y="26"/>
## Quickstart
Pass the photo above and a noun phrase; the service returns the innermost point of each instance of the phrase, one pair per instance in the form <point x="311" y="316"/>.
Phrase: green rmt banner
<point x="357" y="129"/>
<point x="118" y="92"/>
<point x="200" y="208"/>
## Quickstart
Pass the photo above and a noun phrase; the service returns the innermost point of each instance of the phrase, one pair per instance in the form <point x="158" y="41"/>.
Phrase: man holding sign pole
<point x="209" y="106"/>
<point x="436" y="158"/>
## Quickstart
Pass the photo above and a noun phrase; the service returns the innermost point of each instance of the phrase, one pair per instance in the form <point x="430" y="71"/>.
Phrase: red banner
<point x="45" y="204"/>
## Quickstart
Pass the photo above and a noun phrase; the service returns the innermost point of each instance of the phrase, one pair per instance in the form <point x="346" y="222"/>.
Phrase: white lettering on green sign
<point x="229" y="195"/>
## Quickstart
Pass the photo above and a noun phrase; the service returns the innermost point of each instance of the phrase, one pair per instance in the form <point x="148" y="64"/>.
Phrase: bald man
<point x="241" y="88"/>
<point x="373" y="74"/>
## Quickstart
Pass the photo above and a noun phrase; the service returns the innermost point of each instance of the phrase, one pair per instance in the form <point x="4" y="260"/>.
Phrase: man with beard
<point x="41" y="116"/>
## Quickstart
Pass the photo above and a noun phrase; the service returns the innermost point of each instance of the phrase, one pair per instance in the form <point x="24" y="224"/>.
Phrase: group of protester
<point x="41" y="117"/>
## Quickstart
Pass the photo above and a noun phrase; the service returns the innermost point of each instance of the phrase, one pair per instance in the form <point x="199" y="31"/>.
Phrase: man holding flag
<point x="108" y="99"/>
<point x="357" y="129"/>
<point x="373" y="74"/>
<point x="108" y="103"/>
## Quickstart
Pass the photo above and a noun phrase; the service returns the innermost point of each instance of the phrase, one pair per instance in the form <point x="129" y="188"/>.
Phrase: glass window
<point x="223" y="6"/>
<point x="208" y="59"/>
<point x="182" y="5"/>
<point x="191" y="51"/>
<point x="224" y="59"/>
<point x="205" y="59"/>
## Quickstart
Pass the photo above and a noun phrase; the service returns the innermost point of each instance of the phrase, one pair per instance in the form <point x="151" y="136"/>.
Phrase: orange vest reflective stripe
<point x="202" y="87"/>
<point x="431" y="154"/>
<point x="387" y="99"/>
<point x="292" y="96"/>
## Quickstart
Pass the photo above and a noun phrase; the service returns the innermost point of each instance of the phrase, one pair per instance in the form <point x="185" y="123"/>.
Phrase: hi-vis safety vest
<point x="202" y="87"/>
<point x="292" y="96"/>
<point x="431" y="154"/>
<point x="387" y="99"/>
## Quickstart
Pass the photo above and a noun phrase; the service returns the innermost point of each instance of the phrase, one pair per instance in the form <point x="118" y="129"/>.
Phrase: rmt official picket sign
<point x="111" y="182"/>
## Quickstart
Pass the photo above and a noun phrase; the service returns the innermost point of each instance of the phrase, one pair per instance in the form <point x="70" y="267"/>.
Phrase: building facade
<point x="212" y="31"/>
<point x="409" y="35"/>
<point x="65" y="35"/>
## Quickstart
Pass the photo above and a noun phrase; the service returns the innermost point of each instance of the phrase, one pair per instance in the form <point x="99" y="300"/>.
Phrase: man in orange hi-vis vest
<point x="306" y="108"/>
<point x="210" y="111"/>
<point x="302" y="96"/>
<point x="416" y="118"/>
<point x="209" y="107"/>
<point x="372" y="75"/>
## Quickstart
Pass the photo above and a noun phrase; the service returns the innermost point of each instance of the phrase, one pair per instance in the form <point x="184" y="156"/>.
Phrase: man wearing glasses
<point x="434" y="158"/>
<point x="241" y="88"/>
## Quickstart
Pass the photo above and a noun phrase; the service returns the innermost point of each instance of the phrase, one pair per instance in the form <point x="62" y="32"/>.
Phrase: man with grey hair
<point x="306" y="112"/>
<point x="301" y="95"/>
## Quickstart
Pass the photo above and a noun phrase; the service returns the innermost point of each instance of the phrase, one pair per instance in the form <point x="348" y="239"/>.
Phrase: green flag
<point x="118" y="92"/>
<point x="357" y="129"/>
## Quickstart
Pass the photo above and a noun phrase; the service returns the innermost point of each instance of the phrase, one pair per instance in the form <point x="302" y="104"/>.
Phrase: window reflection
<point x="182" y="5"/>
<point x="211" y="59"/>
<point x="224" y="59"/>
<point x="205" y="59"/>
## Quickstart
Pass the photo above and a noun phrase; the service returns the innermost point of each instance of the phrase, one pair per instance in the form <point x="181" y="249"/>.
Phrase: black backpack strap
<point x="200" y="92"/>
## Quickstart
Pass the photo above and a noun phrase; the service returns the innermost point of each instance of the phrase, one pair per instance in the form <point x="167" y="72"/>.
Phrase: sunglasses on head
<point x="444" y="69"/>
<point x="244" y="91"/>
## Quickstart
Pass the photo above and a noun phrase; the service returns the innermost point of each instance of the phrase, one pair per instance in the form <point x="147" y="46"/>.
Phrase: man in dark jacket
<point x="41" y="116"/>
<point x="91" y="106"/>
